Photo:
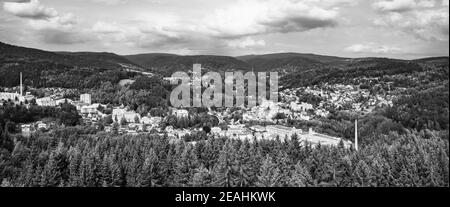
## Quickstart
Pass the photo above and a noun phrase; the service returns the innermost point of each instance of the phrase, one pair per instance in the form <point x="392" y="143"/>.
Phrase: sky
<point x="405" y="29"/>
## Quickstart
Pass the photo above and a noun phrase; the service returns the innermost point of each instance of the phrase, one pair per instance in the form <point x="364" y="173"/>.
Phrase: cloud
<point x="247" y="42"/>
<point x="146" y="31"/>
<point x="408" y="5"/>
<point x="253" y="17"/>
<point x="106" y="28"/>
<point x="424" y="19"/>
<point x="61" y="29"/>
<point x="32" y="9"/>
<point x="445" y="3"/>
<point x="227" y="28"/>
<point x="372" y="48"/>
<point x="397" y="5"/>
<point x="117" y="2"/>
<point x="56" y="36"/>
<point x="62" y="22"/>
<point x="47" y="24"/>
<point x="334" y="3"/>
<point x="39" y="16"/>
<point x="111" y="2"/>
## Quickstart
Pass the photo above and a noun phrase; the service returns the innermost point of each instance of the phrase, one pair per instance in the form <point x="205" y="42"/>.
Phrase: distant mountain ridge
<point x="434" y="60"/>
<point x="80" y="59"/>
<point x="61" y="69"/>
<point x="166" y="64"/>
<point x="281" y="62"/>
<point x="289" y="62"/>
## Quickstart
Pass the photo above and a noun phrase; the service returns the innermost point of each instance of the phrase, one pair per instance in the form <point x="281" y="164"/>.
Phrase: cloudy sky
<point x="351" y="28"/>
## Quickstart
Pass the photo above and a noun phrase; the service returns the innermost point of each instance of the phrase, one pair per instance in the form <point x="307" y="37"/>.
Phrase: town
<point x="268" y="120"/>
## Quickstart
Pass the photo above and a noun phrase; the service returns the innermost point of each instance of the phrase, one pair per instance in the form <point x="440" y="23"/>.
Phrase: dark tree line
<point x="70" y="157"/>
<point x="50" y="74"/>
<point x="143" y="95"/>
<point x="65" y="114"/>
<point x="426" y="109"/>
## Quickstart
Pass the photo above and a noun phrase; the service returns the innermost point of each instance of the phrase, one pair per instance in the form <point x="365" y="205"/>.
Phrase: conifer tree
<point x="300" y="176"/>
<point x="105" y="172"/>
<point x="117" y="176"/>
<point x="27" y="177"/>
<point x="225" y="170"/>
<point x="363" y="174"/>
<point x="74" y="169"/>
<point x="50" y="176"/>
<point x="202" y="177"/>
<point x="243" y="165"/>
<point x="184" y="166"/>
<point x="149" y="170"/>
<point x="269" y="174"/>
<point x="283" y="164"/>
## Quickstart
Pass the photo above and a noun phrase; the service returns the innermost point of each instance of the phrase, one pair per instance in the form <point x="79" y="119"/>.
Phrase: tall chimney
<point x="356" y="134"/>
<point x="21" y="87"/>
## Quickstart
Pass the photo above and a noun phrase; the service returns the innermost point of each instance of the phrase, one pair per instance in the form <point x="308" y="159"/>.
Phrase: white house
<point x="91" y="109"/>
<point x="151" y="120"/>
<point x="180" y="113"/>
<point x="26" y="128"/>
<point x="131" y="117"/>
<point x="86" y="98"/>
<point x="63" y="100"/>
<point x="9" y="96"/>
<point x="41" y="125"/>
<point x="46" y="101"/>
<point x="302" y="106"/>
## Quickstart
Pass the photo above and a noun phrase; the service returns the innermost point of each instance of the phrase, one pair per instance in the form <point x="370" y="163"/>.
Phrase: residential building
<point x="9" y="96"/>
<point x="315" y="139"/>
<point x="26" y="128"/>
<point x="86" y="98"/>
<point x="41" y="125"/>
<point x="151" y="120"/>
<point x="90" y="109"/>
<point x="46" y="101"/>
<point x="180" y="113"/>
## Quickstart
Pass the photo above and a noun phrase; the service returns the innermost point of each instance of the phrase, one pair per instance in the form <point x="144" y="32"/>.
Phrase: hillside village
<point x="265" y="121"/>
<point x="98" y="118"/>
<point x="268" y="120"/>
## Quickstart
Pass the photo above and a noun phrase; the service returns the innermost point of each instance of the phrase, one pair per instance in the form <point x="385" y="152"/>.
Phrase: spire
<point x="356" y="134"/>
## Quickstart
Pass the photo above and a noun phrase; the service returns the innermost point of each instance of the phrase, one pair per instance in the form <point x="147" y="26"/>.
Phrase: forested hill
<point x="434" y="60"/>
<point x="284" y="63"/>
<point x="167" y="64"/>
<point x="403" y="73"/>
<point x="290" y="62"/>
<point x="60" y="69"/>
<point x="72" y="69"/>
<point x="99" y="58"/>
<point x="14" y="54"/>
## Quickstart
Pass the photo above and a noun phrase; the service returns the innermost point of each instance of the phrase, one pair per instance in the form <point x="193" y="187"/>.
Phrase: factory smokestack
<point x="356" y="134"/>
<point x="21" y="87"/>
